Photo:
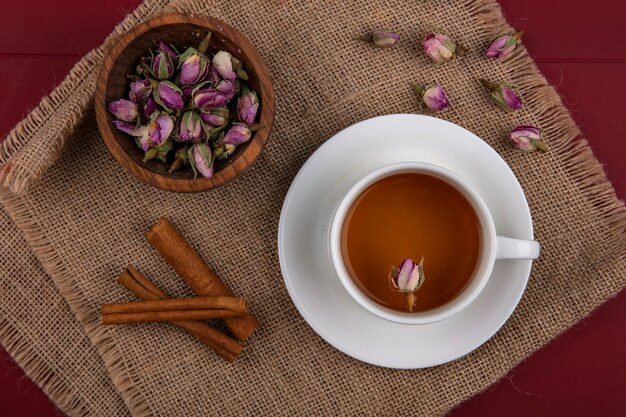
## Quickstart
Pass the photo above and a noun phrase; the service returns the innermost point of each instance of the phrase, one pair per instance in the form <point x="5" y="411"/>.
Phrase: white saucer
<point x="303" y="241"/>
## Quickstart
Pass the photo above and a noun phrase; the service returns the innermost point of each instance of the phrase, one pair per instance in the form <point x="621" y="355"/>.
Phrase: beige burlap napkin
<point x="85" y="217"/>
<point x="36" y="328"/>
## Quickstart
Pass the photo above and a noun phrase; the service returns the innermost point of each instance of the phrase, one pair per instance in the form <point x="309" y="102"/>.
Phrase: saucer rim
<point x="524" y="267"/>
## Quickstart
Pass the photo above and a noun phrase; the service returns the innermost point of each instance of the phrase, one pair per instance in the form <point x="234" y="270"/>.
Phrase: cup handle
<point x="509" y="248"/>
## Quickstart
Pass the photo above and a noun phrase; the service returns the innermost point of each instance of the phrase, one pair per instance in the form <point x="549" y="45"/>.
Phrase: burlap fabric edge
<point x="44" y="132"/>
<point x="72" y="97"/>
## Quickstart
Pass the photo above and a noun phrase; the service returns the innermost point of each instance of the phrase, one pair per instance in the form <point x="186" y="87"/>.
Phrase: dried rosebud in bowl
<point x="209" y="103"/>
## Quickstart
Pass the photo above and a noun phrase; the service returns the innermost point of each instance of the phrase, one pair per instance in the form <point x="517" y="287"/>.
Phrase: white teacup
<point x="492" y="246"/>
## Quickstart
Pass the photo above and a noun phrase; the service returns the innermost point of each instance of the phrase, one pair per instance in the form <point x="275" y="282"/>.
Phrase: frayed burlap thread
<point x="36" y="328"/>
<point x="85" y="217"/>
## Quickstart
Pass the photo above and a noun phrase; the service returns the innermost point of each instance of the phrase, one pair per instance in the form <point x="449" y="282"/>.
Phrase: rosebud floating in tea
<point x="189" y="109"/>
<point x="432" y="97"/>
<point x="503" y="45"/>
<point x="527" y="138"/>
<point x="407" y="277"/>
<point x="381" y="38"/>
<point x="503" y="95"/>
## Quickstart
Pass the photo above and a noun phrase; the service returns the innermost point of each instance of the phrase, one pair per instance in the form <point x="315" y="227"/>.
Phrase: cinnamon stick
<point x="196" y="273"/>
<point x="143" y="288"/>
<point x="168" y="315"/>
<point x="194" y="303"/>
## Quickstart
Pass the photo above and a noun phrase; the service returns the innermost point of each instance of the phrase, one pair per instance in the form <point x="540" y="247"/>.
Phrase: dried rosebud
<point x="156" y="132"/>
<point x="407" y="277"/>
<point x="382" y="38"/>
<point x="190" y="127"/>
<point x="224" y="66"/>
<point x="126" y="127"/>
<point x="194" y="67"/>
<point x="237" y="134"/>
<point x="149" y="108"/>
<point x="503" y="95"/>
<point x="439" y="48"/>
<point x="503" y="45"/>
<point x="168" y="50"/>
<point x="162" y="66"/>
<point x="227" y="88"/>
<point x="247" y="107"/>
<point x="238" y="68"/>
<point x="215" y="117"/>
<point x="208" y="98"/>
<point x="187" y="92"/>
<point x="201" y="160"/>
<point x="181" y="159"/>
<point x="214" y="76"/>
<point x="527" y="138"/>
<point x="150" y="135"/>
<point x="140" y="90"/>
<point x="223" y="151"/>
<point x="159" y="152"/>
<point x="433" y="98"/>
<point x="124" y="110"/>
<point x="169" y="96"/>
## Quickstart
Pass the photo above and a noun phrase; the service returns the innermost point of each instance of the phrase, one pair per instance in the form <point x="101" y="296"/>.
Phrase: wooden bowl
<point x="181" y="30"/>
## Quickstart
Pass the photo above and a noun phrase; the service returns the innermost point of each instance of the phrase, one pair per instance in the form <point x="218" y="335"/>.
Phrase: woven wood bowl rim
<point x="240" y="162"/>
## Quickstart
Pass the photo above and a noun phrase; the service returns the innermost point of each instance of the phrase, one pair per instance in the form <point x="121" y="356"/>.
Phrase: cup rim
<point x="481" y="272"/>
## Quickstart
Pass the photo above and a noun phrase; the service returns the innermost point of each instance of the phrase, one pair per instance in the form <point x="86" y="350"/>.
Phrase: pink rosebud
<point x="201" y="160"/>
<point x="503" y="95"/>
<point x="124" y="110"/>
<point x="149" y="108"/>
<point x="157" y="132"/>
<point x="187" y="92"/>
<point x="247" y="107"/>
<point x="214" y="76"/>
<point x="190" y="127"/>
<point x="227" y="88"/>
<point x="527" y="138"/>
<point x="147" y="136"/>
<point x="159" y="151"/>
<point x="433" y="98"/>
<point x="508" y="97"/>
<point x="237" y="134"/>
<point x="139" y="90"/>
<point x="215" y="117"/>
<point x="162" y="66"/>
<point x="439" y="47"/>
<point x="208" y="98"/>
<point x="224" y="66"/>
<point x="503" y="45"/>
<point x="169" y="96"/>
<point x="125" y="126"/>
<point x="168" y="50"/>
<point x="194" y="67"/>
<point x="407" y="277"/>
<point x="382" y="38"/>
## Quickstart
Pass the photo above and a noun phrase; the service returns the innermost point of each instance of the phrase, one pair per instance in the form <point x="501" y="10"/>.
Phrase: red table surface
<point x="581" y="49"/>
